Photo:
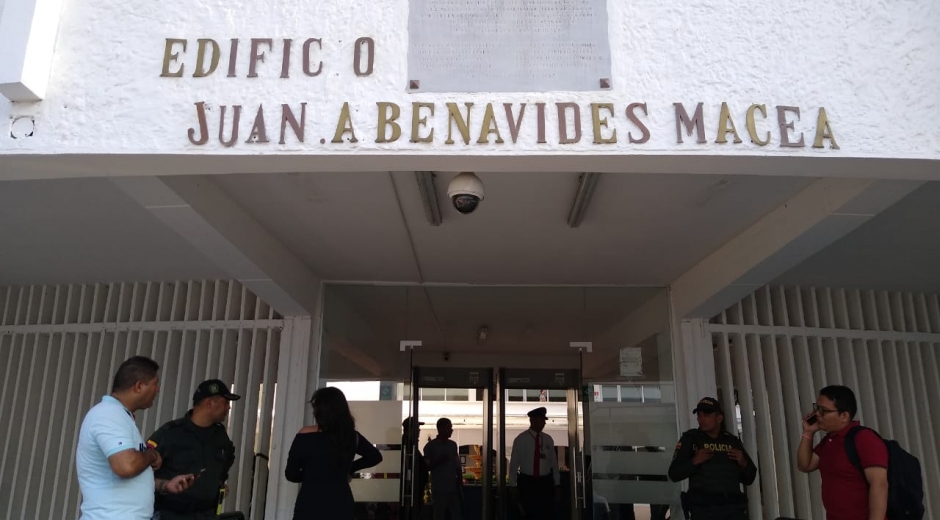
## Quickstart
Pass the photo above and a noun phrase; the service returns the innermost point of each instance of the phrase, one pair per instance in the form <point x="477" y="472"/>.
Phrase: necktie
<point x="538" y="455"/>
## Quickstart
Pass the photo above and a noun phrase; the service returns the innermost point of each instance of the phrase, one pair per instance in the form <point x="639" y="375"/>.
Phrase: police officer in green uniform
<point x="716" y="465"/>
<point x="196" y="443"/>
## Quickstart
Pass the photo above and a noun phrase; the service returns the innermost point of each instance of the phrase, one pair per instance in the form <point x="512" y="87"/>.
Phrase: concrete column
<point x="298" y="377"/>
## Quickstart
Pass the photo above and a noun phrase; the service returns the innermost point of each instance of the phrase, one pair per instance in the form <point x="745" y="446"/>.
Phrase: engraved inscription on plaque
<point x="508" y="45"/>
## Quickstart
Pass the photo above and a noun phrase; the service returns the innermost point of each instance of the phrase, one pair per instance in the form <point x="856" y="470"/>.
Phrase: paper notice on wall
<point x="631" y="362"/>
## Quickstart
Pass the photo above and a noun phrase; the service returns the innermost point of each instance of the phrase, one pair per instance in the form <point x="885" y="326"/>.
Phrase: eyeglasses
<point x="822" y="411"/>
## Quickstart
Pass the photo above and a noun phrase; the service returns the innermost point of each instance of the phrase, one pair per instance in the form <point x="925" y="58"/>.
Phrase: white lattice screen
<point x="60" y="346"/>
<point x="777" y="347"/>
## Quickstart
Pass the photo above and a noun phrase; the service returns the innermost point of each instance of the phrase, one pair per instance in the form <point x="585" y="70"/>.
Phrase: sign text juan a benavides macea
<point x="603" y="121"/>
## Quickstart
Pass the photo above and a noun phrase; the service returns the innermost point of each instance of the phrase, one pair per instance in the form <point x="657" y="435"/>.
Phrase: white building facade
<point x="744" y="195"/>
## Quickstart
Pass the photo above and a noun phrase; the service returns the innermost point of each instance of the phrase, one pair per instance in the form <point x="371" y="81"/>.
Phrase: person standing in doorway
<point x="533" y="468"/>
<point x="847" y="493"/>
<point x="716" y="465"/>
<point x="321" y="459"/>
<point x="197" y="443"/>
<point x="115" y="468"/>
<point x="441" y="457"/>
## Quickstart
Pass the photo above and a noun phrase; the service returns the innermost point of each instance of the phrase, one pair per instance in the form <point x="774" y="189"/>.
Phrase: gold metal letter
<point x="169" y="57"/>
<point x="417" y="122"/>
<point x="231" y="142"/>
<point x="752" y="126"/>
<point x="201" y="58"/>
<point x="307" y="44"/>
<point x="357" y="56"/>
<point x="784" y="126"/>
<point x="232" y="55"/>
<point x="541" y="122"/>
<point x="287" y="116"/>
<point x="696" y="124"/>
<point x="285" y="59"/>
<point x="463" y="125"/>
<point x="563" y="123"/>
<point x="385" y="120"/>
<point x="256" y="56"/>
<point x="824" y="131"/>
<point x="514" y="124"/>
<point x="258" y="133"/>
<point x="631" y="115"/>
<point x="725" y="125"/>
<point x="203" y="126"/>
<point x="599" y="123"/>
<point x="343" y="125"/>
<point x="489" y="126"/>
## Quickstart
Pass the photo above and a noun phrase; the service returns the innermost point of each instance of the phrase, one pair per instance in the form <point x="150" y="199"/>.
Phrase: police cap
<point x="708" y="405"/>
<point x="211" y="388"/>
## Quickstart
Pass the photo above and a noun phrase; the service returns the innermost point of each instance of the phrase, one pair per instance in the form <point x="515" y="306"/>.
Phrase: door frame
<point x="495" y="382"/>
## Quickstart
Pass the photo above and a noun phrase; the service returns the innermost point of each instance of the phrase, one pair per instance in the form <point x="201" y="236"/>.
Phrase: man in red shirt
<point x="847" y="494"/>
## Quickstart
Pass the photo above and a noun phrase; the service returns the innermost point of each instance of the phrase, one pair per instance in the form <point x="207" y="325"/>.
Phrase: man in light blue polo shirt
<point x="115" y="467"/>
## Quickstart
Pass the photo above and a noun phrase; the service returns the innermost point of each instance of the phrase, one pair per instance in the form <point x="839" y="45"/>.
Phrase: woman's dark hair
<point x="331" y="412"/>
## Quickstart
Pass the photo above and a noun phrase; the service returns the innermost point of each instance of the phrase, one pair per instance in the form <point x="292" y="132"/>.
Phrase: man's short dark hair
<point x="843" y="397"/>
<point x="137" y="368"/>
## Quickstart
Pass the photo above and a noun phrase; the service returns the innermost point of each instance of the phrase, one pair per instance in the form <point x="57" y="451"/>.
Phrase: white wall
<point x="873" y="69"/>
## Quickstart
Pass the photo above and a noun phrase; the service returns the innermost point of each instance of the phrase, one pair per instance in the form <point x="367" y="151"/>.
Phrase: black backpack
<point x="905" y="483"/>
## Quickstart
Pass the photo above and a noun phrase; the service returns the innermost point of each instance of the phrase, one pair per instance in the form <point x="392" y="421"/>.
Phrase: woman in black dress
<point x="321" y="459"/>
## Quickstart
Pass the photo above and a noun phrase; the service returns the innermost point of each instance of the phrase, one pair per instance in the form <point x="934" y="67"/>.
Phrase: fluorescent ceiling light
<point x="582" y="199"/>
<point x="432" y="210"/>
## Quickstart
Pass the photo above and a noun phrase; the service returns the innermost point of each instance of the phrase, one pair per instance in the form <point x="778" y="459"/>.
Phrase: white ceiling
<point x="897" y="250"/>
<point x="84" y="231"/>
<point x="363" y="324"/>
<point x="639" y="229"/>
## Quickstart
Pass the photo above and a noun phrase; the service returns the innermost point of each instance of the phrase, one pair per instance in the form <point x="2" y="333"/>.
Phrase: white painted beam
<point x="199" y="211"/>
<point x="822" y="213"/>
<point x="27" y="44"/>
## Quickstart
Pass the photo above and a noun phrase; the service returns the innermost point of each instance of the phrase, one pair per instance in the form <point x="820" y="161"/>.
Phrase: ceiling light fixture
<point x="582" y="199"/>
<point x="432" y="210"/>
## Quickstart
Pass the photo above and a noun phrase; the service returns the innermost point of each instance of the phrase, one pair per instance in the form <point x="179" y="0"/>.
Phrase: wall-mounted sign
<point x="508" y="45"/>
<point x="631" y="362"/>
<point x="605" y="122"/>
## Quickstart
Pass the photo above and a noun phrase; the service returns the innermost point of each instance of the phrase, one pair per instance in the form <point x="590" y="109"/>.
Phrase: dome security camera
<point x="466" y="191"/>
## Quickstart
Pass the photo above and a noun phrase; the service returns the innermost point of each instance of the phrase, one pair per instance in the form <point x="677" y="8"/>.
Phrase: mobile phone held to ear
<point x="812" y="419"/>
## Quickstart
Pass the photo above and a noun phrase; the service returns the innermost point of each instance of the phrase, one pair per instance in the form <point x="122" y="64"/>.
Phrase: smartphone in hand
<point x="812" y="419"/>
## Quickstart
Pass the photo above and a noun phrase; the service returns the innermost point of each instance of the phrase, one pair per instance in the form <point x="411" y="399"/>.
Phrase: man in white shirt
<point x="115" y="467"/>
<point x="533" y="468"/>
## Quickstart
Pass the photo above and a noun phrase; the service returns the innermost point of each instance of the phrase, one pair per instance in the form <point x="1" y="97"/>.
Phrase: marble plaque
<point x="508" y="45"/>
